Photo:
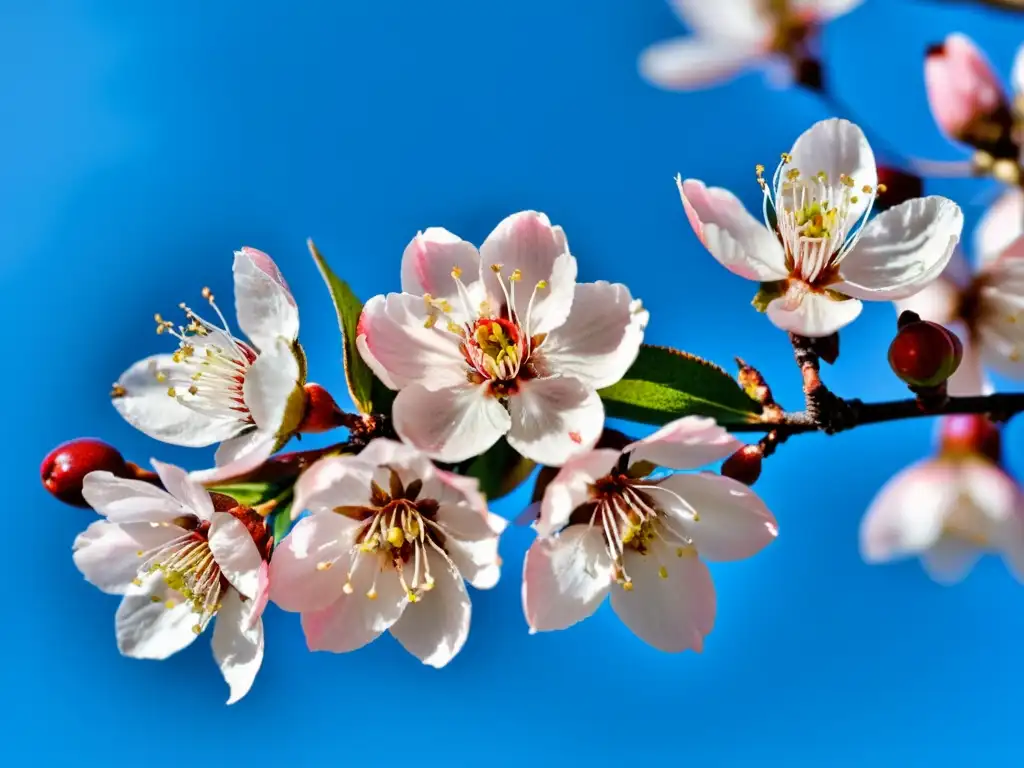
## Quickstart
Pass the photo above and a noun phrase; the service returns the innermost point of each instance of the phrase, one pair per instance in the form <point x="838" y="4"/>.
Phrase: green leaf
<point x="282" y="523"/>
<point x="500" y="470"/>
<point x="665" y="384"/>
<point x="368" y="393"/>
<point x="246" y="494"/>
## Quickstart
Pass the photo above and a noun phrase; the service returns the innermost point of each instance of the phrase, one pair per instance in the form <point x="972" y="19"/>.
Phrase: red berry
<point x="971" y="433"/>
<point x="924" y="354"/>
<point x="66" y="466"/>
<point x="322" y="413"/>
<point x="744" y="465"/>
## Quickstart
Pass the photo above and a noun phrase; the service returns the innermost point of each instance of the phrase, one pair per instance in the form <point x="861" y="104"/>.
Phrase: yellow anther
<point x="663" y="572"/>
<point x="429" y="585"/>
<point x="866" y="189"/>
<point x="160" y="376"/>
<point x="347" y="589"/>
<point x="197" y="629"/>
<point x="396" y="536"/>
<point x="413" y="597"/>
<point x="759" y="170"/>
<point x="628" y="535"/>
<point x="118" y="391"/>
<point x="854" y="199"/>
<point x="207" y="294"/>
<point x="542" y="284"/>
<point x="139" y="553"/>
<point x="324" y="566"/>
<point x="680" y="551"/>
<point x="456" y="272"/>
<point x="882" y="188"/>
<point x="372" y="594"/>
<point x="786" y="157"/>
<point x="412" y="528"/>
<point x="696" y="517"/>
<point x="171" y="392"/>
<point x="193" y="390"/>
<point x="628" y="586"/>
<point x="455" y="328"/>
<point x="496" y="268"/>
<point x="137" y="582"/>
<point x="170" y="604"/>
<point x="445" y="306"/>
<point x="154" y="599"/>
<point x="516" y="276"/>
<point x="430" y="322"/>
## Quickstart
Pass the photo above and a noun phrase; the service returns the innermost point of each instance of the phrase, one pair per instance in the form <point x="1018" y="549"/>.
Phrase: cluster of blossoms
<point x="498" y="351"/>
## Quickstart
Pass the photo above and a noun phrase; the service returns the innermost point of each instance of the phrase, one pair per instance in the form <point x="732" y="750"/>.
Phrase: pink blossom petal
<point x="565" y="578"/>
<point x="999" y="227"/>
<point x="435" y="628"/>
<point x="527" y="242"/>
<point x="334" y="481"/>
<point x="450" y="425"/>
<point x="686" y="443"/>
<point x="672" y="603"/>
<point x="430" y="258"/>
<point x="732" y="522"/>
<point x="572" y="487"/>
<point x="266" y="308"/>
<point x="741" y="243"/>
<point x="949" y="560"/>
<point x="310" y="566"/>
<point x="395" y="341"/>
<point x="554" y="418"/>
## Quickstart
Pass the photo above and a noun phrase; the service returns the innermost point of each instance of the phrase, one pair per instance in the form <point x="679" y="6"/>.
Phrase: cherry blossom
<point x="730" y="36"/>
<point x="216" y="388"/>
<point x="503" y="341"/>
<point x="179" y="560"/>
<point x="607" y="526"/>
<point x="816" y="254"/>
<point x="387" y="545"/>
<point x="950" y="509"/>
<point x="983" y="306"/>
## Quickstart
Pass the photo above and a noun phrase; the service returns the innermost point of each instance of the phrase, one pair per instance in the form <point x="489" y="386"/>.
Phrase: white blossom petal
<point x="334" y="481"/>
<point x="146" y="405"/>
<point x="686" y="443"/>
<point x="153" y="621"/>
<point x="736" y="20"/>
<point x="824" y="10"/>
<point x="471" y="540"/>
<point x="812" y="314"/>
<point x="273" y="388"/>
<point x="124" y="501"/>
<point x="107" y="553"/>
<point x="688" y="63"/>
<point x="310" y="566"/>
<point x="237" y="646"/>
<point x="565" y="578"/>
<point x="553" y="418"/>
<point x="672" y="603"/>
<point x="353" y="620"/>
<point x="1001" y="224"/>
<point x="740" y="243"/>
<point x="237" y="456"/>
<point x="450" y="424"/>
<point x="266" y="308"/>
<point x="732" y="521"/>
<point x="193" y="496"/>
<point x="949" y="560"/>
<point x="600" y="339"/>
<point x="435" y="628"/>
<point x="526" y="241"/>
<point x="902" y="249"/>
<point x="571" y="487"/>
<point x="236" y="553"/>
<point x="395" y="341"/>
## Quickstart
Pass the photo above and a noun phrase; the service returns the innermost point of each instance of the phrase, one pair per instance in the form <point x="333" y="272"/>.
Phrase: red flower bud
<point x="970" y="433"/>
<point x="66" y="466"/>
<point x="322" y="413"/>
<point x="744" y="465"/>
<point x="924" y="354"/>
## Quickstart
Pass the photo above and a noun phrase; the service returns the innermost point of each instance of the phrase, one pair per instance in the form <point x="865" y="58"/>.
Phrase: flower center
<point x="397" y="531"/>
<point x="210" y="365"/>
<point x="631" y="520"/>
<point x="496" y="342"/>
<point x="815" y="218"/>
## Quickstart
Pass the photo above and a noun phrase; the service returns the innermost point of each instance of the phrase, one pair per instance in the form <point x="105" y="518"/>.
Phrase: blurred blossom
<point x="607" y="527"/>
<point x="729" y="36"/>
<point x="951" y="509"/>
<point x="816" y="254"/>
<point x="519" y="348"/>
<point x="984" y="306"/>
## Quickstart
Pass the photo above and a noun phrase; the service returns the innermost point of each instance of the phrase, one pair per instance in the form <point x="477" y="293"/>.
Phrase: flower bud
<point x="322" y="414"/>
<point x="744" y="465"/>
<point x="970" y="433"/>
<point x="66" y="466"/>
<point x="924" y="354"/>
